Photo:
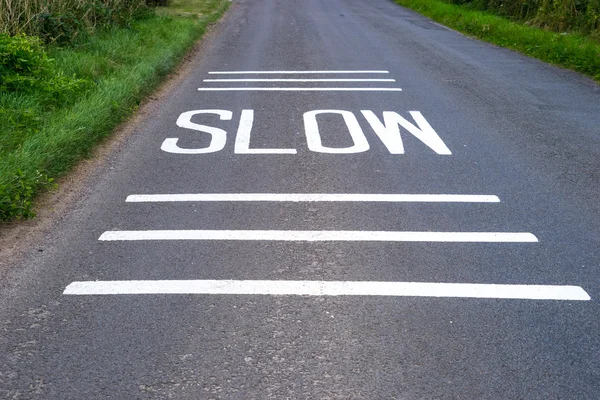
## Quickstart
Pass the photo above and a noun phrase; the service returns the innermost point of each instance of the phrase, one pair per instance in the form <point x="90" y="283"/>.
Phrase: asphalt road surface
<point x="342" y="200"/>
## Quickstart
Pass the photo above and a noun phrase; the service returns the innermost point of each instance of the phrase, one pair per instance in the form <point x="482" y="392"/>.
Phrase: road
<point x="342" y="200"/>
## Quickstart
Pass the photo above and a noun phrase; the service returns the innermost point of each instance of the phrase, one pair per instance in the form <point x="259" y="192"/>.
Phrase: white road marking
<point x="299" y="80"/>
<point x="389" y="133"/>
<point x="218" y="136"/>
<point x="297" y="72"/>
<point x="320" y="236"/>
<point x="330" y="288"/>
<point x="242" y="139"/>
<point x="313" y="135"/>
<point x="316" y="197"/>
<point x="298" y="89"/>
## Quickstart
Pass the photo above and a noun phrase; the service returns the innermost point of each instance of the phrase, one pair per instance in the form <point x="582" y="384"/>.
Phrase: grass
<point x="191" y="7"/>
<point x="41" y="141"/>
<point x="573" y="51"/>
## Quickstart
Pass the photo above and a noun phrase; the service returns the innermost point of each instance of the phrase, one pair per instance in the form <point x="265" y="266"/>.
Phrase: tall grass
<point x="573" y="51"/>
<point x="582" y="16"/>
<point x="56" y="19"/>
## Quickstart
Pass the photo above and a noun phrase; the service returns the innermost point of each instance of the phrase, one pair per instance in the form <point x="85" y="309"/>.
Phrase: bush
<point x="21" y="54"/>
<point x="158" y="3"/>
<point x="61" y="28"/>
<point x="16" y="197"/>
<point x="25" y="67"/>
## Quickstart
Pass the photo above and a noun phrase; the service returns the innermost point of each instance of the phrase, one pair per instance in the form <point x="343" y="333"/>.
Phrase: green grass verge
<point x="39" y="142"/>
<point x="571" y="51"/>
<point x="191" y="7"/>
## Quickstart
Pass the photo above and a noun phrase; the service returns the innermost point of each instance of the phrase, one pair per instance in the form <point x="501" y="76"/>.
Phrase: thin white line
<point x="299" y="80"/>
<point x="320" y="236"/>
<point x="330" y="288"/>
<point x="310" y="197"/>
<point x="298" y="89"/>
<point x="297" y="72"/>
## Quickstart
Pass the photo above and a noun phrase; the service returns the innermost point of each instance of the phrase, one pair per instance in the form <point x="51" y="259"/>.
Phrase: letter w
<point x="389" y="132"/>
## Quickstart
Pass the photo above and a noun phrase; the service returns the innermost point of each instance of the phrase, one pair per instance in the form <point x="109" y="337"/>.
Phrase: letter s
<point x="219" y="136"/>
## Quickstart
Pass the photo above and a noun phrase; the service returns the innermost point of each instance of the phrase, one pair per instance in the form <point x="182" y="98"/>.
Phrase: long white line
<point x="297" y="89"/>
<point x="299" y="80"/>
<point x="298" y="72"/>
<point x="320" y="236"/>
<point x="330" y="288"/>
<point x="315" y="197"/>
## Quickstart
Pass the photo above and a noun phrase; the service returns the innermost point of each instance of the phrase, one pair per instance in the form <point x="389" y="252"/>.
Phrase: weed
<point x="16" y="195"/>
<point x="25" y="67"/>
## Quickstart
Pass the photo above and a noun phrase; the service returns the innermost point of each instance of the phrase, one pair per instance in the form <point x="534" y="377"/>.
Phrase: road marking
<point x="297" y="72"/>
<point x="298" y="89"/>
<point x="218" y="136"/>
<point x="299" y="80"/>
<point x="242" y="139"/>
<point x="320" y="236"/>
<point x="316" y="197"/>
<point x="313" y="135"/>
<point x="387" y="130"/>
<point x="330" y="288"/>
<point x="389" y="133"/>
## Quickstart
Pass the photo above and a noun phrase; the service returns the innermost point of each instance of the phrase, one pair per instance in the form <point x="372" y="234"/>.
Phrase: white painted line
<point x="297" y="72"/>
<point x="298" y="89"/>
<point x="299" y="80"/>
<point x="330" y="288"/>
<point x="320" y="236"/>
<point x="316" y="197"/>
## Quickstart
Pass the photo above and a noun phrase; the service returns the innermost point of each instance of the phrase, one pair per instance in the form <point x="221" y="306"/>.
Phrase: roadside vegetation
<point x="70" y="71"/>
<point x="562" y="32"/>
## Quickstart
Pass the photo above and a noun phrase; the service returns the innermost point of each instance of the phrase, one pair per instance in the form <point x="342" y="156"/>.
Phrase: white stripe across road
<point x="316" y="197"/>
<point x="299" y="80"/>
<point x="297" y="72"/>
<point x="297" y="89"/>
<point x="320" y="236"/>
<point x="329" y="288"/>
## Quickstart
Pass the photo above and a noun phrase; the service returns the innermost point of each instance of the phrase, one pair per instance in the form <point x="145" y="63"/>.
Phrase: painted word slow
<point x="387" y="129"/>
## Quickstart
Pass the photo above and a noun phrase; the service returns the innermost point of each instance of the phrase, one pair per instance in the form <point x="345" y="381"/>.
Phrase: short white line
<point x="298" y="89"/>
<point x="320" y="236"/>
<point x="299" y="80"/>
<point x="330" y="288"/>
<point x="297" y="72"/>
<point x="316" y="197"/>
